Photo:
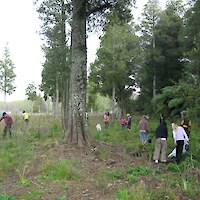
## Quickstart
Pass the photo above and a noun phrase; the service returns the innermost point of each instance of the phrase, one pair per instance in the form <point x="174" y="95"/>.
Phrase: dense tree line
<point x="158" y="57"/>
<point x="78" y="12"/>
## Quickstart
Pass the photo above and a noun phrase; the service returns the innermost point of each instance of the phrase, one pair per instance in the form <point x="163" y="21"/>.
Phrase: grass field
<point x="34" y="164"/>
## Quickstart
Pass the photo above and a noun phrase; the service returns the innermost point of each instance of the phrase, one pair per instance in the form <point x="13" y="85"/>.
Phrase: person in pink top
<point x="123" y="123"/>
<point x="8" y="121"/>
<point x="180" y="137"/>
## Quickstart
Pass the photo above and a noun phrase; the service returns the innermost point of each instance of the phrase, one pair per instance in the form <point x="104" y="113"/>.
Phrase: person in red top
<point x="123" y="123"/>
<point x="106" y="119"/>
<point x="8" y="121"/>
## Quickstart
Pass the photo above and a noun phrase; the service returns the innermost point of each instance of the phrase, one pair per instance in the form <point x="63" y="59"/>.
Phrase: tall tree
<point x="7" y="75"/>
<point x="168" y="31"/>
<point x="78" y="127"/>
<point x="115" y="69"/>
<point x="31" y="93"/>
<point x="150" y="18"/>
<point x="55" y="74"/>
<point x="81" y="12"/>
<point x="162" y="66"/>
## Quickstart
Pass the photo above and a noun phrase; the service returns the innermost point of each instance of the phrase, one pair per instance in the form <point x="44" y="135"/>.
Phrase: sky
<point x="19" y="29"/>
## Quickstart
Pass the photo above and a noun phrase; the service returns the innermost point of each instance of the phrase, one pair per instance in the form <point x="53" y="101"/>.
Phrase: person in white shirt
<point x="179" y="136"/>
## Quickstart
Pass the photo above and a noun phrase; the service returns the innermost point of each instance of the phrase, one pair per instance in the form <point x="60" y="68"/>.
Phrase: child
<point x="123" y="123"/>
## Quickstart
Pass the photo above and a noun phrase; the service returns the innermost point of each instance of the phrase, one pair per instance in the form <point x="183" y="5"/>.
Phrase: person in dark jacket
<point x="161" y="143"/>
<point x="8" y="121"/>
<point x="186" y="123"/>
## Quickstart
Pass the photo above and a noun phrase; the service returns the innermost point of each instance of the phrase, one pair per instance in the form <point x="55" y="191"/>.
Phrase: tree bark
<point x="78" y="128"/>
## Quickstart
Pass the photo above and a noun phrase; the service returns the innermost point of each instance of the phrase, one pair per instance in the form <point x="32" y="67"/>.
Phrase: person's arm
<point x="182" y="122"/>
<point x="1" y="118"/>
<point x="174" y="136"/>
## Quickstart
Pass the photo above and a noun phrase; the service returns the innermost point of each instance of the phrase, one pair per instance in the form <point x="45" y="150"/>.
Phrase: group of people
<point x="9" y="121"/>
<point x="181" y="135"/>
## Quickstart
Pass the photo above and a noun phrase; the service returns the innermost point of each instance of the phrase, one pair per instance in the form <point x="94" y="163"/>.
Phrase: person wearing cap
<point x="8" y="121"/>
<point x="186" y="123"/>
<point x="144" y="130"/>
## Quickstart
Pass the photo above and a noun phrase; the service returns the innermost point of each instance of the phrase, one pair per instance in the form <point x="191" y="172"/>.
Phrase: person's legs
<point x="156" y="154"/>
<point x="163" y="150"/>
<point x="143" y="140"/>
<point x="9" y="129"/>
<point x="6" y="129"/>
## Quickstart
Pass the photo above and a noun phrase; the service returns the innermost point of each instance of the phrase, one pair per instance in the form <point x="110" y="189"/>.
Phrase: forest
<point x="149" y="67"/>
<point x="142" y="67"/>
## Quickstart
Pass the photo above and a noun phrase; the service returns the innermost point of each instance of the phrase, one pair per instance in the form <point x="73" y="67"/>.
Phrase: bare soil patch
<point x="90" y="162"/>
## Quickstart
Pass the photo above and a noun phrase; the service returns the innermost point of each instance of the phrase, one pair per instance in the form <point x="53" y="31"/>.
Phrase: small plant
<point x="122" y="194"/>
<point x="63" y="169"/>
<point x="131" y="178"/>
<point x="136" y="192"/>
<point x="117" y="175"/>
<point x="6" y="197"/>
<point x="103" y="178"/>
<point x="139" y="170"/>
<point x="22" y="178"/>
<point x="65" y="186"/>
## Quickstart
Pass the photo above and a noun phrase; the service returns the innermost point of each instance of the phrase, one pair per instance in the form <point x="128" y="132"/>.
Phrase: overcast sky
<point x="19" y="28"/>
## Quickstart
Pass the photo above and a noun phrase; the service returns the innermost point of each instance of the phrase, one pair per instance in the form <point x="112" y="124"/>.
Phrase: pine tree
<point x="7" y="75"/>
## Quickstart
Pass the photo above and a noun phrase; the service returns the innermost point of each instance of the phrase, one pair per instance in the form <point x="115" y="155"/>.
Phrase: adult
<point x="186" y="123"/>
<point x="144" y="130"/>
<point x="161" y="142"/>
<point x="106" y="119"/>
<point x="180" y="137"/>
<point x="25" y="117"/>
<point x="128" y="122"/>
<point x="8" y="121"/>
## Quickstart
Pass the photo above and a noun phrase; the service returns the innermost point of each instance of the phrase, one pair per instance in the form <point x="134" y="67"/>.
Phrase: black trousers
<point x="179" y="150"/>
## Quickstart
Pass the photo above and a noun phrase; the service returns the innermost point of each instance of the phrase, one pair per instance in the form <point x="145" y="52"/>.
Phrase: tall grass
<point x="17" y="151"/>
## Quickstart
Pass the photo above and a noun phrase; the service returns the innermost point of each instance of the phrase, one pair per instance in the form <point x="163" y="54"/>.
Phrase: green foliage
<point x="136" y="192"/>
<point x="63" y="169"/>
<point x="31" y="92"/>
<point x="6" y="197"/>
<point x="161" y="39"/>
<point x="106" y="71"/>
<point x="7" y="74"/>
<point x="22" y="152"/>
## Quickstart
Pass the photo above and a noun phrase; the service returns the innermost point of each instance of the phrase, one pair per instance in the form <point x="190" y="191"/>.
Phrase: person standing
<point x="8" y="121"/>
<point x="179" y="136"/>
<point x="186" y="123"/>
<point x="128" y="122"/>
<point x="123" y="123"/>
<point x="106" y="119"/>
<point x="161" y="142"/>
<point x="144" y="130"/>
<point x="25" y="117"/>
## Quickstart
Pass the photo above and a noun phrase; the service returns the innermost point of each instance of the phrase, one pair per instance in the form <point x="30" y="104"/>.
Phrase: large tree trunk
<point x="78" y="127"/>
<point x="65" y="105"/>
